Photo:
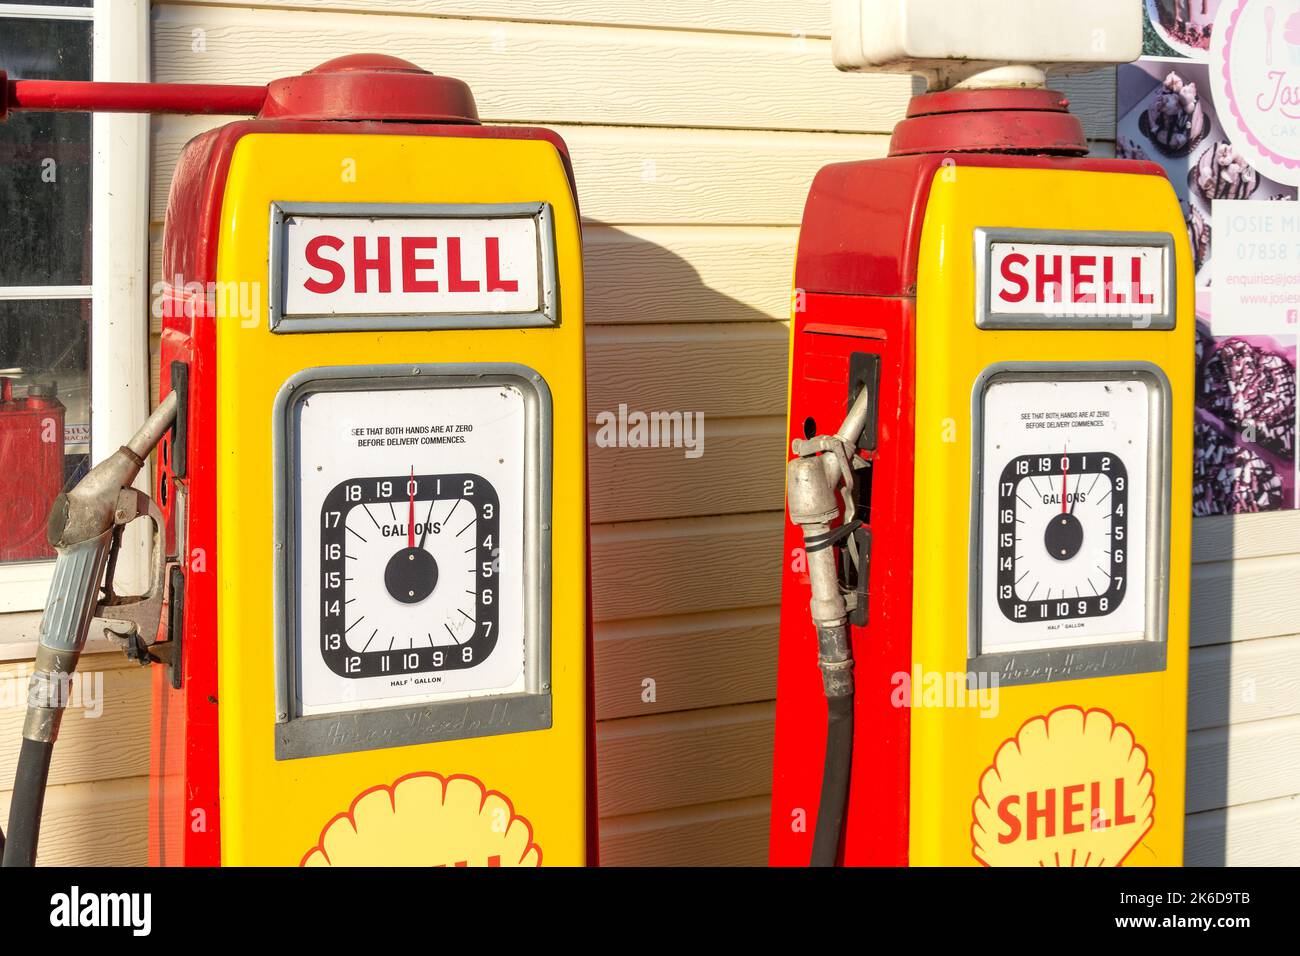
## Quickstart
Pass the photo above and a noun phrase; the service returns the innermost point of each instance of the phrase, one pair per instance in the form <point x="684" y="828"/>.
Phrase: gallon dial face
<point x="411" y="548"/>
<point x="1077" y="506"/>
<point x="1065" y="491"/>
<point x="434" y="606"/>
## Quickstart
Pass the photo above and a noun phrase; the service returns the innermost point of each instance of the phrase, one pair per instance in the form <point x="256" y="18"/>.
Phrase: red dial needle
<point x="410" y="519"/>
<point x="1065" y="476"/>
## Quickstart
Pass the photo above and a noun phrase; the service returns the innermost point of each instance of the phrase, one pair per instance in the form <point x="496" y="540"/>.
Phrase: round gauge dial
<point x="408" y="574"/>
<point x="1068" y="474"/>
<point x="1062" y="534"/>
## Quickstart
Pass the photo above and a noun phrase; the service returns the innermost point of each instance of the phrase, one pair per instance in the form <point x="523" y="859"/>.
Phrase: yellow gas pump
<point x="371" y="483"/>
<point x="998" y="536"/>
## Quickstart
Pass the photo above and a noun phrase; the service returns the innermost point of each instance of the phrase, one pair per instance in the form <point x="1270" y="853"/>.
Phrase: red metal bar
<point x="79" y="96"/>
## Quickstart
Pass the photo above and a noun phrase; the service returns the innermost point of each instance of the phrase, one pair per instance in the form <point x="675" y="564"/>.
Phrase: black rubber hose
<point x="28" y="802"/>
<point x="835" y="780"/>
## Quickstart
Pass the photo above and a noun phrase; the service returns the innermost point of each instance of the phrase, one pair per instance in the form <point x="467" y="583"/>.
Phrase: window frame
<point x="119" y="289"/>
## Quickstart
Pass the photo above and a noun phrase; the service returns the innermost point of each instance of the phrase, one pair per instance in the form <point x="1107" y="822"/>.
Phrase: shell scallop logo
<point x="1069" y="789"/>
<point x="425" y="819"/>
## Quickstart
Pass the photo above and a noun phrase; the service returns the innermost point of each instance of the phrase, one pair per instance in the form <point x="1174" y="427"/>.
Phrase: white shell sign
<point x="1041" y="279"/>
<point x="430" y="267"/>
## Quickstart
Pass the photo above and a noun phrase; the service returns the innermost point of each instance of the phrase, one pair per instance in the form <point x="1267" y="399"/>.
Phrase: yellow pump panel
<point x="1135" y="724"/>
<point x="274" y="812"/>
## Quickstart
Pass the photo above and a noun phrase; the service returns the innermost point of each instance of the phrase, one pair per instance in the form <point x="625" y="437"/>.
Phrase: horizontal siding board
<point x="680" y="658"/>
<point x="1245" y="599"/>
<point x="1266" y="833"/>
<point x="113" y="744"/>
<point x="723" y="371"/>
<point x="617" y="76"/>
<point x="1244" y="763"/>
<point x="739" y="472"/>
<point x="1229" y="537"/>
<point x="665" y="274"/>
<point x="656" y="568"/>
<point x="807" y="18"/>
<point x="726" y="834"/>
<point x="1244" y="681"/>
<point x="686" y="758"/>
<point x="93" y="824"/>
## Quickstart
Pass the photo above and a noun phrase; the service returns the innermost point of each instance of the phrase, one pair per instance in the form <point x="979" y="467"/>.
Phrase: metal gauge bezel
<point x="1076" y="662"/>
<point x="542" y="213"/>
<point x="298" y="735"/>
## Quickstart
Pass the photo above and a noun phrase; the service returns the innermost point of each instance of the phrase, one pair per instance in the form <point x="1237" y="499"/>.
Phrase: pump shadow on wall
<point x="738" y="383"/>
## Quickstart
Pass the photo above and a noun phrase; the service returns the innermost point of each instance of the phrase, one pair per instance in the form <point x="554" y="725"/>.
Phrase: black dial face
<point x="408" y="569"/>
<point x="1062" y="536"/>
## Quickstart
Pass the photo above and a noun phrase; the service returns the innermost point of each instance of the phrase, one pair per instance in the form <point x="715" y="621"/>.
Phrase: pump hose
<point x="835" y="781"/>
<point x="28" y="803"/>
<point x="836" y="660"/>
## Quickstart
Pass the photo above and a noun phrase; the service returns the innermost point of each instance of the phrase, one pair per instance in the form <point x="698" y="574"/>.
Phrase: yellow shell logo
<point x="1070" y="789"/>
<point x="425" y="819"/>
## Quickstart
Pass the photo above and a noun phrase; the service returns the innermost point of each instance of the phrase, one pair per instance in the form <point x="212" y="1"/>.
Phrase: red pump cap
<point x="370" y="86"/>
<point x="990" y="121"/>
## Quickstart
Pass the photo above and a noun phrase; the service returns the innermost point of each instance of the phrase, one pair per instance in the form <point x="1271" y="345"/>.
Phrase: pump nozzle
<point x="84" y="529"/>
<point x="823" y="466"/>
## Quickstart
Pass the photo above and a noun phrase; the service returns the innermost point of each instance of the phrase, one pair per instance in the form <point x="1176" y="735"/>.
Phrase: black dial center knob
<point x="1063" y="537"/>
<point x="411" y="575"/>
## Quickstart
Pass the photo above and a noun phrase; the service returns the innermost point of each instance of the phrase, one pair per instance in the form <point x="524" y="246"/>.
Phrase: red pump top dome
<point x="993" y="120"/>
<point x="370" y="86"/>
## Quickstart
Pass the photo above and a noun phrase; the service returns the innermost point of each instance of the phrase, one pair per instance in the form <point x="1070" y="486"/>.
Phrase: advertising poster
<point x="1215" y="100"/>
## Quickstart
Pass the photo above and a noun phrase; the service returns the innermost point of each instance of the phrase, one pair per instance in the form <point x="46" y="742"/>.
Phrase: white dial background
<point x="372" y="620"/>
<point x="382" y="434"/>
<point x="1039" y="576"/>
<point x="1038" y="417"/>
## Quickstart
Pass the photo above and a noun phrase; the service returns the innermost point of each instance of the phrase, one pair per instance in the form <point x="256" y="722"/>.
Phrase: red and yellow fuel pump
<point x="995" y="541"/>
<point x="371" y="488"/>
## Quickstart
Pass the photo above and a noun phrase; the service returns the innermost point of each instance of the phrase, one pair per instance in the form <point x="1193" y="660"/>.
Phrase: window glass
<point x="45" y="160"/>
<point x="45" y="347"/>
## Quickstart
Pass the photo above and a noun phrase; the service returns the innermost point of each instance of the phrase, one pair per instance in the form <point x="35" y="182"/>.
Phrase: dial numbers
<point x="1062" y="536"/>
<point x="390" y="607"/>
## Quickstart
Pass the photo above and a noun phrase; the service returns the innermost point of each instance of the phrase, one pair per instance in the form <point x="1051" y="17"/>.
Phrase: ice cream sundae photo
<point x="1223" y="173"/>
<point x="1175" y="121"/>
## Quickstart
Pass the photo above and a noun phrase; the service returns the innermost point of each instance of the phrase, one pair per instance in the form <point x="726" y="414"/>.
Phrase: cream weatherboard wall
<point x="696" y="127"/>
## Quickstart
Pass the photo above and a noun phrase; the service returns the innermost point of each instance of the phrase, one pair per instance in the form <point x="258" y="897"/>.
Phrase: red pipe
<point x="81" y="96"/>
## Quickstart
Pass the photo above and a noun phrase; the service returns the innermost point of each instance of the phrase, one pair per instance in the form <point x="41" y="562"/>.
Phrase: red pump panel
<point x="827" y="333"/>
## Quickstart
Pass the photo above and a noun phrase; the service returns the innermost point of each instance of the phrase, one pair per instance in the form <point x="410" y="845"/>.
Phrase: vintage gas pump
<point x="371" y="485"/>
<point x="991" y="421"/>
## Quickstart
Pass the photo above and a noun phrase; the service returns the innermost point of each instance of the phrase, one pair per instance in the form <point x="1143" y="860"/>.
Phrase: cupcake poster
<point x="1181" y="108"/>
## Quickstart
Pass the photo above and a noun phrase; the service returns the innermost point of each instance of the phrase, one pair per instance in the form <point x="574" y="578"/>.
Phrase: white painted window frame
<point x="119" y="294"/>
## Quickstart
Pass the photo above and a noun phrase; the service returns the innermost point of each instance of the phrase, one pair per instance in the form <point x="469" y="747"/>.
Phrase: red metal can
<point x="31" y="468"/>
